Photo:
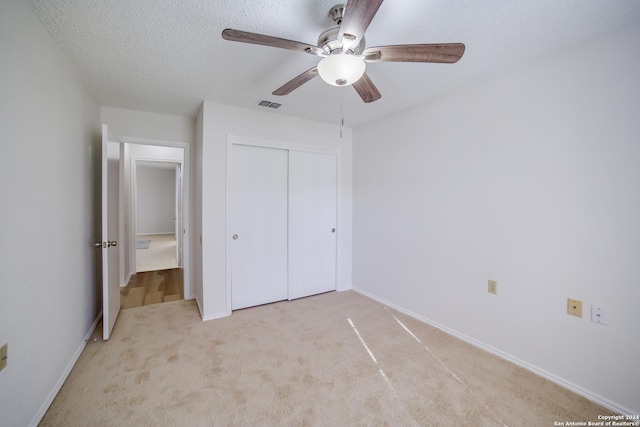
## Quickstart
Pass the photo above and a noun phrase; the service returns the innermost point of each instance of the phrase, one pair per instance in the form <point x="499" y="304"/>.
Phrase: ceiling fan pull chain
<point x="341" y="115"/>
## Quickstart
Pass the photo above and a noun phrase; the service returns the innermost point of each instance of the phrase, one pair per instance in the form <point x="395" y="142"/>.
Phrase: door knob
<point x="333" y="230"/>
<point x="235" y="237"/>
<point x="97" y="244"/>
<point x="112" y="243"/>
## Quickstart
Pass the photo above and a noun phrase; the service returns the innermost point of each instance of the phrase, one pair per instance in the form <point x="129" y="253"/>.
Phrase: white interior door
<point x="110" y="232"/>
<point x="312" y="223"/>
<point x="257" y="232"/>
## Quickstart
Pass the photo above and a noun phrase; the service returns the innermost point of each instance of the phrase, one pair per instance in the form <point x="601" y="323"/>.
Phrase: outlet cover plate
<point x="574" y="307"/>
<point x="599" y="315"/>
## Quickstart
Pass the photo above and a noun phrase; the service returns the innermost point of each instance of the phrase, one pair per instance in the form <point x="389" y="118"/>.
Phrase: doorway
<point x="155" y="265"/>
<point x="157" y="214"/>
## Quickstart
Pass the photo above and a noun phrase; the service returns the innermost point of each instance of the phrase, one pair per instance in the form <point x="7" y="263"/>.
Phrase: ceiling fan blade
<point x="295" y="83"/>
<point x="358" y="14"/>
<point x="366" y="89"/>
<point x="447" y="53"/>
<point x="253" y="38"/>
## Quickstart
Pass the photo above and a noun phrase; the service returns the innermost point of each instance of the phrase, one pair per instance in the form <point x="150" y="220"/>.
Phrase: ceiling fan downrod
<point x="329" y="40"/>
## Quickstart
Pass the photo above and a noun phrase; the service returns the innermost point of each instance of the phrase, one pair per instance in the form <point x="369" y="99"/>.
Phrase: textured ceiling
<point x="167" y="56"/>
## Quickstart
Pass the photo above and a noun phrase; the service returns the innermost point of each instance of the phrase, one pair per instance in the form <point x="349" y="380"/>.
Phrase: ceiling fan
<point x="342" y="48"/>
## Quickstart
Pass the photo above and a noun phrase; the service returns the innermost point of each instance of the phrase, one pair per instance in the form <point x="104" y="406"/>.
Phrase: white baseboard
<point x="199" y="307"/>
<point x="56" y="388"/>
<point x="216" y="316"/>
<point x="126" y="280"/>
<point x="541" y="372"/>
<point x="213" y="316"/>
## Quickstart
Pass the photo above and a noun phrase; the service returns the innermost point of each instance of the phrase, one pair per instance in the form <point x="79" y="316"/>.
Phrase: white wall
<point x="49" y="171"/>
<point x="219" y="121"/>
<point x="156" y="200"/>
<point x="142" y="124"/>
<point x="155" y="153"/>
<point x="531" y="179"/>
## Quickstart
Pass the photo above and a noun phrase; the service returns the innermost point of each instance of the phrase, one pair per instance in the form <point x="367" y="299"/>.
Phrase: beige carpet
<point x="337" y="359"/>
<point x="161" y="254"/>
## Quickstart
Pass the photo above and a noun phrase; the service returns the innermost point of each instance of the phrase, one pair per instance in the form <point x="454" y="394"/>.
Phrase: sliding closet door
<point x="257" y="215"/>
<point x="312" y="223"/>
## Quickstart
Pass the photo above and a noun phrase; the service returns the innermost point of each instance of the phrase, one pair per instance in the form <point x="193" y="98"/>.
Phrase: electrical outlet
<point x="3" y="356"/>
<point x="599" y="315"/>
<point x="574" y="307"/>
<point x="493" y="287"/>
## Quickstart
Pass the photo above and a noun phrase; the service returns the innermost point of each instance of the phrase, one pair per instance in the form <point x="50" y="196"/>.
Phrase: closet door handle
<point x="333" y="230"/>
<point x="234" y="237"/>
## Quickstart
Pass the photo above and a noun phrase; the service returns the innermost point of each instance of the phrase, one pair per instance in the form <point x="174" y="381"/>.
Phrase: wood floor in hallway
<point x="152" y="287"/>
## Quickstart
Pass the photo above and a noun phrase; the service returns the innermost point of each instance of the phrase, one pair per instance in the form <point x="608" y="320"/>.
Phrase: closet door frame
<point x="283" y="145"/>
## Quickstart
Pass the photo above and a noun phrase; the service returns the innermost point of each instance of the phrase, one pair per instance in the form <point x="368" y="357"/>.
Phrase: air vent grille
<point x="269" y="104"/>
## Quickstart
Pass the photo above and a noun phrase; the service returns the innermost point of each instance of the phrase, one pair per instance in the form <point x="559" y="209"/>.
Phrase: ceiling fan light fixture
<point x="341" y="69"/>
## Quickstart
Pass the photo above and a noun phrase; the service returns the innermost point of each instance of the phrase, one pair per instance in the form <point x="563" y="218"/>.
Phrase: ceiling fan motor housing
<point x="328" y="39"/>
<point x="329" y="43"/>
